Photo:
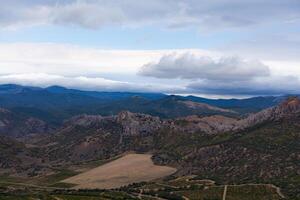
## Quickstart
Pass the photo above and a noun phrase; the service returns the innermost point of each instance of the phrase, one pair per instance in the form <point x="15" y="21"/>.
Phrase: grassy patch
<point x="54" y="179"/>
<point x="252" y="192"/>
<point x="211" y="193"/>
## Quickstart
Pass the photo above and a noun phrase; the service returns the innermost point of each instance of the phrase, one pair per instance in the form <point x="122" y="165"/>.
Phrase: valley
<point x="150" y="100"/>
<point x="140" y="180"/>
<point x="136" y="155"/>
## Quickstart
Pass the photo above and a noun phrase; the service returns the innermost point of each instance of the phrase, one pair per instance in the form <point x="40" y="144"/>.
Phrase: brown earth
<point x="129" y="169"/>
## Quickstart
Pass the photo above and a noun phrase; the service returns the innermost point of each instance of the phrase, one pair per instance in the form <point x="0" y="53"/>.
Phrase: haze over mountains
<point x="56" y="103"/>
<point x="30" y="110"/>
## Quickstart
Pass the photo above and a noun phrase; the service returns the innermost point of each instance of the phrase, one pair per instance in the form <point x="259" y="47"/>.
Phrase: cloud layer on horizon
<point x="276" y="85"/>
<point x="193" y="71"/>
<point x="85" y="83"/>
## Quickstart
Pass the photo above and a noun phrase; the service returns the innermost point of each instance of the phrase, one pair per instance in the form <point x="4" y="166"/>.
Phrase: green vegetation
<point x="266" y="153"/>
<point x="252" y="192"/>
<point x="62" y="185"/>
<point x="195" y="189"/>
<point x="176" y="189"/>
<point x="211" y="193"/>
<point x="54" y="179"/>
<point x="66" y="195"/>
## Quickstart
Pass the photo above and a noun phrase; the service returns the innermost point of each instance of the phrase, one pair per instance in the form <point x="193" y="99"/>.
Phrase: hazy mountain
<point x="247" y="105"/>
<point x="55" y="104"/>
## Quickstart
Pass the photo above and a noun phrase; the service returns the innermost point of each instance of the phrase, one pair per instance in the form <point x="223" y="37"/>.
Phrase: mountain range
<point x="56" y="104"/>
<point x="232" y="141"/>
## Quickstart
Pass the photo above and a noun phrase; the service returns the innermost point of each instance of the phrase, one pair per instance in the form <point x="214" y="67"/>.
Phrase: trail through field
<point x="131" y="168"/>
<point x="225" y="192"/>
<point x="30" y="185"/>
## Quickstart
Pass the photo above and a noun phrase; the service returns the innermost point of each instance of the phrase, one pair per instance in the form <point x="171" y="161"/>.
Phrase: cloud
<point x="45" y="64"/>
<point x="72" y="60"/>
<point x="283" y="44"/>
<point x="189" y="66"/>
<point x="274" y="85"/>
<point x="169" y="13"/>
<point x="46" y="80"/>
<point x="83" y="83"/>
<point x="222" y="75"/>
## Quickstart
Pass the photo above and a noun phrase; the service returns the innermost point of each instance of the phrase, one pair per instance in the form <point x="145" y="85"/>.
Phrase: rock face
<point x="134" y="124"/>
<point x="220" y="124"/>
<point x="206" y="125"/>
<point x="286" y="109"/>
<point x="138" y="124"/>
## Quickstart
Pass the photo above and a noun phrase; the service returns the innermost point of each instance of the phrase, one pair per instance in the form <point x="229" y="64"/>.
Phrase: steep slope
<point x="18" y="160"/>
<point x="90" y="137"/>
<point x="264" y="149"/>
<point x="93" y="136"/>
<point x="286" y="109"/>
<point x="18" y="126"/>
<point x="9" y="148"/>
<point x="221" y="124"/>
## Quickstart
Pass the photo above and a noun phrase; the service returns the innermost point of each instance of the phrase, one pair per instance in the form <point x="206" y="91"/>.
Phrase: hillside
<point x="16" y="158"/>
<point x="19" y="126"/>
<point x="260" y="148"/>
<point x="56" y="104"/>
<point x="263" y="148"/>
<point x="267" y="151"/>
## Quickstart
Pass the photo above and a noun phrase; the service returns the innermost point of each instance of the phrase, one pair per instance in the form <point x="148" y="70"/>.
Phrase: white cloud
<point x="225" y="75"/>
<point x="170" y="13"/>
<point x="63" y="59"/>
<point x="84" y="83"/>
<point x="72" y="66"/>
<point x="189" y="66"/>
<point x="46" y="80"/>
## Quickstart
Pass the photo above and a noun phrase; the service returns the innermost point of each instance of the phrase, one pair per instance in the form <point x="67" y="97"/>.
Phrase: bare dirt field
<point x="128" y="169"/>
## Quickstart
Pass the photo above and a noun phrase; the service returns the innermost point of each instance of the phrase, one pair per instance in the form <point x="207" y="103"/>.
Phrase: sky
<point x="216" y="48"/>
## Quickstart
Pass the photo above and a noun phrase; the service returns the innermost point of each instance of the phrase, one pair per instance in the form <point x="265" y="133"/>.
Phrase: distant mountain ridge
<point x="53" y="105"/>
<point x="16" y="89"/>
